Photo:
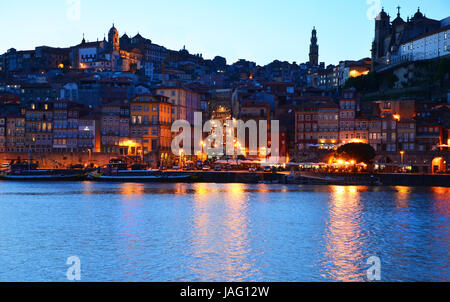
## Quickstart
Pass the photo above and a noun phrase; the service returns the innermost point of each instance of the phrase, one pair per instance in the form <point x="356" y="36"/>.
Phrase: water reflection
<point x="88" y="187"/>
<point x="131" y="191"/>
<point x="442" y="201"/>
<point x="441" y="216"/>
<point x="130" y="228"/>
<point x="203" y="232"/>
<point x="220" y="232"/>
<point x="403" y="196"/>
<point x="344" y="235"/>
<point x="236" y="234"/>
<point x="220" y="235"/>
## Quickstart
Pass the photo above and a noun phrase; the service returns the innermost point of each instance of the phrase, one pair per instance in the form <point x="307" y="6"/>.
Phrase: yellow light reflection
<point x="220" y="242"/>
<point x="442" y="201"/>
<point x="88" y="187"/>
<point x="130" y="225"/>
<point x="236" y="234"/>
<point x="131" y="191"/>
<point x="180" y="189"/>
<point x="343" y="244"/>
<point x="402" y="196"/>
<point x="203" y="231"/>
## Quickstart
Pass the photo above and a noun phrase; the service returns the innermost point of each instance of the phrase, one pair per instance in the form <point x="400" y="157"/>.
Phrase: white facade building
<point x="431" y="46"/>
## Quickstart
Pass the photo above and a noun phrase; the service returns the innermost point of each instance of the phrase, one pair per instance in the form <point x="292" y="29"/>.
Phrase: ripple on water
<point x="222" y="232"/>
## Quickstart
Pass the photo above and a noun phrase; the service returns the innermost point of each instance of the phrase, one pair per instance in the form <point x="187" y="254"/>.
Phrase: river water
<point x="222" y="232"/>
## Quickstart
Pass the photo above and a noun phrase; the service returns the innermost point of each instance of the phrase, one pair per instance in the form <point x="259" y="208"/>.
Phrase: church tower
<point x="113" y="38"/>
<point x="314" y="50"/>
<point x="382" y="29"/>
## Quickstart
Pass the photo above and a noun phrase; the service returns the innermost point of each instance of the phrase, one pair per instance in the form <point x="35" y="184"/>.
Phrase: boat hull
<point x="143" y="179"/>
<point x="42" y="177"/>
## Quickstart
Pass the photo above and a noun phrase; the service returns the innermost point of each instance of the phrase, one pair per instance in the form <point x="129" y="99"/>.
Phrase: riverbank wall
<point x="234" y="177"/>
<point x="385" y="179"/>
<point x="57" y="160"/>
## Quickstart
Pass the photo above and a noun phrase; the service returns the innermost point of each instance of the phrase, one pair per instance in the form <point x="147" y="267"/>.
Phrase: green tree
<point x="366" y="83"/>
<point x="392" y="79"/>
<point x="357" y="151"/>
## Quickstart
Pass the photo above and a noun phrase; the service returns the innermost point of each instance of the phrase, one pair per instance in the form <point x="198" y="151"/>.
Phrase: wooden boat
<point x="43" y="175"/>
<point x="139" y="176"/>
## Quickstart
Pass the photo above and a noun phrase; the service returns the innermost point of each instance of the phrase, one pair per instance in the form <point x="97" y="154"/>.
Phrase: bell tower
<point x="314" y="50"/>
<point x="382" y="29"/>
<point x="113" y="38"/>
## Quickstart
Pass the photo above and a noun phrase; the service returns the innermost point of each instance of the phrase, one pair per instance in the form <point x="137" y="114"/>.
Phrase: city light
<point x="357" y="141"/>
<point x="128" y="143"/>
<point x="355" y="73"/>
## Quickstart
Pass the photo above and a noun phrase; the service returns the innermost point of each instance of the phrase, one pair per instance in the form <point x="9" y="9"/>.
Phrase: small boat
<point x="269" y="182"/>
<point x="43" y="175"/>
<point x="139" y="176"/>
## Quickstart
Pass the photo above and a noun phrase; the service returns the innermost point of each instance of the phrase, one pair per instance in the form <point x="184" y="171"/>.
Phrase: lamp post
<point x="402" y="154"/>
<point x="181" y="158"/>
<point x="237" y="146"/>
<point x="203" y="144"/>
<point x="90" y="155"/>
<point x="263" y="153"/>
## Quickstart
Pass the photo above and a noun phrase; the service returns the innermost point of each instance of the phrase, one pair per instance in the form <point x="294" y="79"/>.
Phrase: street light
<point x="203" y="144"/>
<point x="181" y="158"/>
<point x="402" y="153"/>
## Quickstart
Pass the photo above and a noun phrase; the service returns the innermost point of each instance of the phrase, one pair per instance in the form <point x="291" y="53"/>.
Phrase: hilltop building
<point x="106" y="55"/>
<point x="391" y="36"/>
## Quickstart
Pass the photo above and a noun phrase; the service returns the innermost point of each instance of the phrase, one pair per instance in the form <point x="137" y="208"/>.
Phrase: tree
<point x="392" y="79"/>
<point x="361" y="153"/>
<point x="365" y="83"/>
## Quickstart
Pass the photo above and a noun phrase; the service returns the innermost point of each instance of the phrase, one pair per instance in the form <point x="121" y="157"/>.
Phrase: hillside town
<point x="117" y="97"/>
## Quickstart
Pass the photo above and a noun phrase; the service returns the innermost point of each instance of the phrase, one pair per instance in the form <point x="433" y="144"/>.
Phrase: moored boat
<point x="140" y="176"/>
<point x="43" y="175"/>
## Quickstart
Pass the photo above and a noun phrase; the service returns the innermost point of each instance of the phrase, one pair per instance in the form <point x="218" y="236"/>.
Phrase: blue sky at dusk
<point x="257" y="30"/>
